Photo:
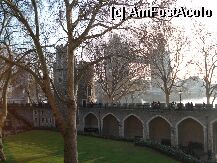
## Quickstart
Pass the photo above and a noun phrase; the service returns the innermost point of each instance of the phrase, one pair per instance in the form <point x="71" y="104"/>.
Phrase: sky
<point x="210" y="24"/>
<point x="188" y="26"/>
<point x="195" y="4"/>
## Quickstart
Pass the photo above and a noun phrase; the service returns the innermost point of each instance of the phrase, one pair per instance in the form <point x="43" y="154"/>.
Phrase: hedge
<point x="171" y="151"/>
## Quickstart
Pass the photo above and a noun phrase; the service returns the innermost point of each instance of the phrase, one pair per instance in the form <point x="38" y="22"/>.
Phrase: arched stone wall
<point x="90" y="121"/>
<point x="189" y="130"/>
<point x="133" y="127"/>
<point x="204" y="118"/>
<point x="110" y="125"/>
<point x="160" y="130"/>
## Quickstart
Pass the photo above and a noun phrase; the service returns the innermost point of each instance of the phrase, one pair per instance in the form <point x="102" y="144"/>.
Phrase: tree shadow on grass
<point x="37" y="157"/>
<point x="85" y="158"/>
<point x="9" y="156"/>
<point x="94" y="160"/>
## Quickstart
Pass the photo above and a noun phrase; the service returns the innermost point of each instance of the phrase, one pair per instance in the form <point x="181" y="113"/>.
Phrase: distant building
<point x="86" y="89"/>
<point x="193" y="88"/>
<point x="23" y="89"/>
<point x="111" y="72"/>
<point x="160" y="67"/>
<point x="17" y="91"/>
<point x="86" y="86"/>
<point x="118" y="76"/>
<point x="43" y="117"/>
<point x="22" y="117"/>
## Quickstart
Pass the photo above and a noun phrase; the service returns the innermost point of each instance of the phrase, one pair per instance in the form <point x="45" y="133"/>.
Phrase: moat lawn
<point x="47" y="147"/>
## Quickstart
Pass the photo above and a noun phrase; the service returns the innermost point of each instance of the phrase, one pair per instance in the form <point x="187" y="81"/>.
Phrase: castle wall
<point x="197" y="122"/>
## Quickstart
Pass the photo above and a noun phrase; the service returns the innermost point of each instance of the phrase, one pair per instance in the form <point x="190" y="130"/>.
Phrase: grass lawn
<point x="47" y="147"/>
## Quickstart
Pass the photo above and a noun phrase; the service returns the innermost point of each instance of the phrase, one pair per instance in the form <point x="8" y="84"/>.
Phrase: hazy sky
<point x="187" y="23"/>
<point x="210" y="24"/>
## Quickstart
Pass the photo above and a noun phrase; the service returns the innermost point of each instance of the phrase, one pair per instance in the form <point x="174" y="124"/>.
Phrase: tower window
<point x="89" y="90"/>
<point x="60" y="80"/>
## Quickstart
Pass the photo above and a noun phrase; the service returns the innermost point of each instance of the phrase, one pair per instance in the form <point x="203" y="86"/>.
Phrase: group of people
<point x="155" y="105"/>
<point x="189" y="105"/>
<point x="173" y="105"/>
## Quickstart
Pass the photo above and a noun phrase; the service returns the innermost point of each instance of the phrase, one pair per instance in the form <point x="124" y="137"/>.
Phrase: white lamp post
<point x="180" y="95"/>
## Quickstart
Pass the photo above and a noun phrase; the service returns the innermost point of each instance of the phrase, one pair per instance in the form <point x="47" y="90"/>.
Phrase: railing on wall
<point x="156" y="106"/>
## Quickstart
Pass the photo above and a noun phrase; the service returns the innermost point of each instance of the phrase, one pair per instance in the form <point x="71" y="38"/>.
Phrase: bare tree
<point x="34" y="92"/>
<point x="207" y="64"/>
<point x="123" y="73"/>
<point x="5" y="74"/>
<point x="164" y="47"/>
<point x="5" y="80"/>
<point x="80" y="21"/>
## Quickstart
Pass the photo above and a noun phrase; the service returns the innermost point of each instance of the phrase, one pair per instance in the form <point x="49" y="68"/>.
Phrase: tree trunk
<point x="70" y="141"/>
<point x="110" y="99"/>
<point x="36" y="93"/>
<point x="207" y="87"/>
<point x="207" y="97"/>
<point x="3" y="112"/>
<point x="167" y="99"/>
<point x="2" y="155"/>
<point x="214" y="97"/>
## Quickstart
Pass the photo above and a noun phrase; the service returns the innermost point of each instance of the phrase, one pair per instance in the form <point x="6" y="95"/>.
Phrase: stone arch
<point x="159" y="130"/>
<point x="190" y="133"/>
<point x="147" y="123"/>
<point x="91" y="122"/>
<point x="112" y="115"/>
<point x="214" y="135"/>
<point x="133" y="126"/>
<point x="110" y="125"/>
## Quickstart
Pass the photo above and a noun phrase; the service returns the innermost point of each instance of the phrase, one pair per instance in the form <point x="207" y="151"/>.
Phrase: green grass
<point x="47" y="147"/>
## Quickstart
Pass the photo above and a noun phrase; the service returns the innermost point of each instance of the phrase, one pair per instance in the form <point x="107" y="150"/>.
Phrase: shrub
<point x="171" y="151"/>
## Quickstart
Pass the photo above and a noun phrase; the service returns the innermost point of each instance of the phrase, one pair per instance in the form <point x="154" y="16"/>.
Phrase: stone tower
<point x="86" y="89"/>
